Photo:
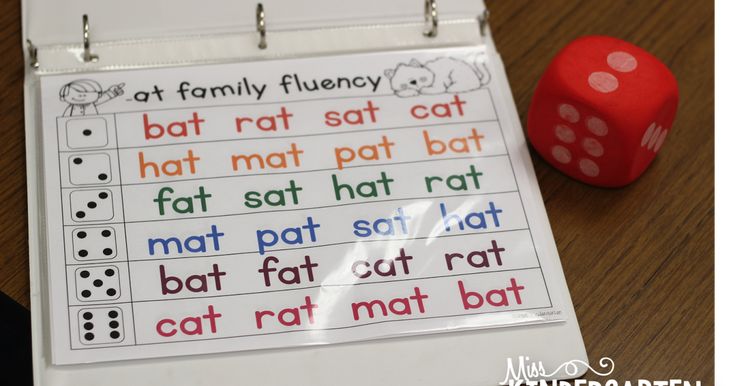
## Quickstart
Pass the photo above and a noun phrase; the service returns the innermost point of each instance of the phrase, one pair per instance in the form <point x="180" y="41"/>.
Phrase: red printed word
<point x="265" y="122"/>
<point x="395" y="306"/>
<point x="451" y="109"/>
<point x="173" y="129"/>
<point x="493" y="298"/>
<point x="289" y="316"/>
<point x="190" y="325"/>
<point x="352" y="116"/>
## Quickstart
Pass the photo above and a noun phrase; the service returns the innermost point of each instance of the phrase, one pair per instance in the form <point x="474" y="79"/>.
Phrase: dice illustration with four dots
<point x="602" y="111"/>
<point x="94" y="243"/>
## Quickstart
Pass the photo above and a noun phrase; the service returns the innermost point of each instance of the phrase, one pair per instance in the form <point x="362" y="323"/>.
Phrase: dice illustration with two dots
<point x="103" y="325"/>
<point x="602" y="110"/>
<point x="90" y="169"/>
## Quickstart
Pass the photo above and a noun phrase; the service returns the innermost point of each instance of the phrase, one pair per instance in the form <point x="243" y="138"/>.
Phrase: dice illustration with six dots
<point x="602" y="111"/>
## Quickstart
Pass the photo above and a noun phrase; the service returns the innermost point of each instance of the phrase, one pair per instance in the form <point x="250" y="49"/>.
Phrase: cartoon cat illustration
<point x="441" y="75"/>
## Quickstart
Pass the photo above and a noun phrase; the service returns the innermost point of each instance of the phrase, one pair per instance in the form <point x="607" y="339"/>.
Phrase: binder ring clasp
<point x="32" y="54"/>
<point x="431" y="18"/>
<point x="260" y="25"/>
<point x="87" y="56"/>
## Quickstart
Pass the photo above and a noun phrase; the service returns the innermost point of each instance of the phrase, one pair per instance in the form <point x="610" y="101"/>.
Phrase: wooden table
<point x="639" y="261"/>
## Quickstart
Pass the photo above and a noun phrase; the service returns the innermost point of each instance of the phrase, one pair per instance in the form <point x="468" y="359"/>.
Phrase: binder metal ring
<point x="260" y="25"/>
<point x="431" y="18"/>
<point x="87" y="56"/>
<point x="32" y="54"/>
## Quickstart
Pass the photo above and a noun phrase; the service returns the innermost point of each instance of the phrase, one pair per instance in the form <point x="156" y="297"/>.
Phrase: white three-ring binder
<point x="91" y="39"/>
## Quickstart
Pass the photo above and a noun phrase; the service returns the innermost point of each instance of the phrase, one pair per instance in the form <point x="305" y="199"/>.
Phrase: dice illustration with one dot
<point x="602" y="111"/>
<point x="85" y="133"/>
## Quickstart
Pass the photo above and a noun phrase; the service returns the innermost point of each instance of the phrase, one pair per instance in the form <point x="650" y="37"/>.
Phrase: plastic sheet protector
<point x="289" y="202"/>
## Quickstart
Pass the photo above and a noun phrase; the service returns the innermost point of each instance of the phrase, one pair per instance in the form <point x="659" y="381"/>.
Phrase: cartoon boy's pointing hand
<point x="83" y="96"/>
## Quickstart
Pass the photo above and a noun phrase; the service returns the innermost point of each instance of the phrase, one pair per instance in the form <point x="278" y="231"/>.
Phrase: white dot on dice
<point x="568" y="113"/>
<point x="603" y="82"/>
<point x="561" y="154"/>
<point x="622" y="61"/>
<point x="597" y="126"/>
<point x="565" y="134"/>
<point x="647" y="135"/>
<point x="654" y="138"/>
<point x="593" y="147"/>
<point x="589" y="168"/>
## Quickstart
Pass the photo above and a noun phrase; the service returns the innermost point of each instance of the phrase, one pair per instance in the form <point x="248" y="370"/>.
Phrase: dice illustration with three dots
<point x="602" y="111"/>
<point x="91" y="205"/>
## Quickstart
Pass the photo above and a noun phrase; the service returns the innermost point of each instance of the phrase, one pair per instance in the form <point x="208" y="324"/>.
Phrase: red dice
<point x="602" y="110"/>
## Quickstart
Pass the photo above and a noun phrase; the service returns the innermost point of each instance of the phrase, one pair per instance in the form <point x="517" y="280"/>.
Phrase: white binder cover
<point x="469" y="351"/>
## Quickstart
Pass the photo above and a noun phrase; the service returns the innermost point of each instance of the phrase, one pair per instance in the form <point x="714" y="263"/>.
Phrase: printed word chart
<point x="273" y="204"/>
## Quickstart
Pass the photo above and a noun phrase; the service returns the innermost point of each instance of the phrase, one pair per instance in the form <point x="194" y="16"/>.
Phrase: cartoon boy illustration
<point x="83" y="96"/>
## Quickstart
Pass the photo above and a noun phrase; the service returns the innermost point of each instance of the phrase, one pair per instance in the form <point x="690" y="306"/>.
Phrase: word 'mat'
<point x="271" y="160"/>
<point x="396" y="306"/>
<point x="198" y="243"/>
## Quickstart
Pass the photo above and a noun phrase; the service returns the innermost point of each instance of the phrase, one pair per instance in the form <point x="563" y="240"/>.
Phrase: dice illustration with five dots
<point x="602" y="111"/>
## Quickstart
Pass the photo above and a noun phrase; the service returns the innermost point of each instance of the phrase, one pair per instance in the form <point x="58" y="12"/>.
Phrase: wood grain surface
<point x="639" y="261"/>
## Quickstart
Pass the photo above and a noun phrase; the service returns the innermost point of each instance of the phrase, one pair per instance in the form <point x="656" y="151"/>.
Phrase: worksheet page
<point x="272" y="204"/>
